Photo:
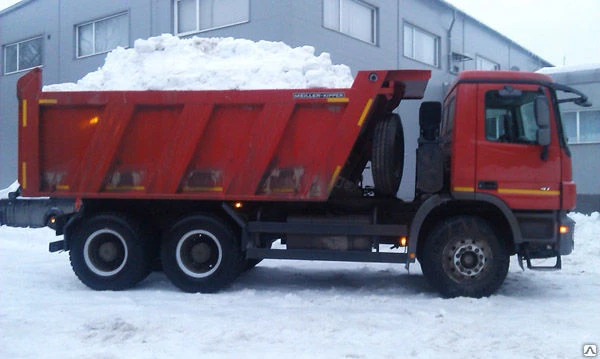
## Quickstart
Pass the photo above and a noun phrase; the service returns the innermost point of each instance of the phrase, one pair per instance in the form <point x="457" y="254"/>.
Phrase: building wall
<point x="295" y="22"/>
<point x="27" y="22"/>
<point x="586" y="166"/>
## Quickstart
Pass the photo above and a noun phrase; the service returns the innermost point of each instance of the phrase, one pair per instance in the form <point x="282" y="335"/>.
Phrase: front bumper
<point x="546" y="235"/>
<point x="566" y="240"/>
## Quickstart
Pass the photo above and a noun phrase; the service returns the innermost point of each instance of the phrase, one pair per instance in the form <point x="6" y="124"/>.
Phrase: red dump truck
<point x="207" y="181"/>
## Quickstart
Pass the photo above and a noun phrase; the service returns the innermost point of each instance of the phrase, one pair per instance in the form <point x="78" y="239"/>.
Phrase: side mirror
<point x="543" y="136"/>
<point x="542" y="111"/>
<point x="542" y="117"/>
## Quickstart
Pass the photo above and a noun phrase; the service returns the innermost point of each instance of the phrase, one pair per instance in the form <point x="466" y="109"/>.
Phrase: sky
<point x="563" y="32"/>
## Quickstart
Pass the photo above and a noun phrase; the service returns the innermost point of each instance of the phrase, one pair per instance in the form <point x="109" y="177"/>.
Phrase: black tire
<point x="462" y="256"/>
<point x="108" y="252"/>
<point x="201" y="254"/>
<point x="388" y="155"/>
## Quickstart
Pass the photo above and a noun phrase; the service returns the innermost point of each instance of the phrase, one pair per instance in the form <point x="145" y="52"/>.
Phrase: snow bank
<point x="13" y="187"/>
<point x="169" y="63"/>
<point x="587" y="233"/>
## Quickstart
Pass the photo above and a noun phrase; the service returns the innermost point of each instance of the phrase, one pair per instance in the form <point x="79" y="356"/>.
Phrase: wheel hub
<point x="200" y="252"/>
<point x="105" y="252"/>
<point x="469" y="259"/>
<point x="466" y="258"/>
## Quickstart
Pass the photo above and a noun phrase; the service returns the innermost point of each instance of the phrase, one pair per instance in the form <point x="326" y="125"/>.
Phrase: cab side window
<point x="448" y="119"/>
<point x="510" y="117"/>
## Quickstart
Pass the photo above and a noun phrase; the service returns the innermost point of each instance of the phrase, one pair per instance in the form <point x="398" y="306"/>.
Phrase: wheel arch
<point x="490" y="208"/>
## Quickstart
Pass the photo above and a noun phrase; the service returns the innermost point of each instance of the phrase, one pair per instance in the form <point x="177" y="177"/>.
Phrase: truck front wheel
<point x="107" y="252"/>
<point x="200" y="254"/>
<point x="462" y="256"/>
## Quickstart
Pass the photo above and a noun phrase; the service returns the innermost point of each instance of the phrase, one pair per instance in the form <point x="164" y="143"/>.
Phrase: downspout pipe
<point x="450" y="40"/>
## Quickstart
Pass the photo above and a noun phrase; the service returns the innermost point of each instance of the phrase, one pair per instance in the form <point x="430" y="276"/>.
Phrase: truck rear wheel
<point x="388" y="155"/>
<point x="200" y="254"/>
<point x="108" y="253"/>
<point x="462" y="256"/>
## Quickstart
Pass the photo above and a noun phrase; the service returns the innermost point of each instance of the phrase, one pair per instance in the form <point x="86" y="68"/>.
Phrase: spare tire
<point x="388" y="155"/>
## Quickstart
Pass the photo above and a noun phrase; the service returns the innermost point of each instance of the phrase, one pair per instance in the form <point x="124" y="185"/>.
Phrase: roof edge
<point x="15" y="6"/>
<point x="452" y="7"/>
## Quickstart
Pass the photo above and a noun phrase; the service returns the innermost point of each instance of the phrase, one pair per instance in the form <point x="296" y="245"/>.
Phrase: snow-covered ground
<point x="294" y="309"/>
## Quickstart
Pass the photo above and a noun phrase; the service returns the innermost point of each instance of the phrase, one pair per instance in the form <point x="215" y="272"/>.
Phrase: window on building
<point x="485" y="64"/>
<point x="102" y="35"/>
<point x="511" y="119"/>
<point x="421" y="45"/>
<point x="200" y="15"/>
<point x="351" y="17"/>
<point x="23" y="55"/>
<point x="582" y="126"/>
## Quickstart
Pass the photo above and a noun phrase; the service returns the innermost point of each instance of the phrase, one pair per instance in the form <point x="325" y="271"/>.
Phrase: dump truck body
<point x="203" y="145"/>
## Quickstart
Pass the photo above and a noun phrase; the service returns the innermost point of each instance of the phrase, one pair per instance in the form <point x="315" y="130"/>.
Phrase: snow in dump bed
<point x="169" y="63"/>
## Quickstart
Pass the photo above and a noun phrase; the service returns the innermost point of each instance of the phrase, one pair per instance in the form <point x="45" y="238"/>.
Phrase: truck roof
<point x="502" y="76"/>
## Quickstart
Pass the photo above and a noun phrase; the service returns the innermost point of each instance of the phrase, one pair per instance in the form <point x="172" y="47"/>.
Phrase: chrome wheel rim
<point x="466" y="259"/>
<point x="105" y="252"/>
<point x="199" y="254"/>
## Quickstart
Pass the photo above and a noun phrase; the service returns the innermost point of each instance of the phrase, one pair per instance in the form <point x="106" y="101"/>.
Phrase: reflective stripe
<point x="528" y="192"/>
<point x="24" y="174"/>
<point x="24" y="111"/>
<point x="342" y="99"/>
<point x="335" y="174"/>
<point x="464" y="189"/>
<point x="365" y="112"/>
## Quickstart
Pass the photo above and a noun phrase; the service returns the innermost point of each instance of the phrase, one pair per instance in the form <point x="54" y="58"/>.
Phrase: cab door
<point x="510" y="161"/>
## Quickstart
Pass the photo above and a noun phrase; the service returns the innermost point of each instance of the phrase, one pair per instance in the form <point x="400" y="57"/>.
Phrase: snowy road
<point x="289" y="309"/>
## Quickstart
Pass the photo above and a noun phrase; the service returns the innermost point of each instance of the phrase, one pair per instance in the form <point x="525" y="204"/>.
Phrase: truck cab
<point x="504" y="151"/>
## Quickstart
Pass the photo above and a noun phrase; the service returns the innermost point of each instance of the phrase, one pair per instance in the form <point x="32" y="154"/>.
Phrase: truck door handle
<point x="487" y="185"/>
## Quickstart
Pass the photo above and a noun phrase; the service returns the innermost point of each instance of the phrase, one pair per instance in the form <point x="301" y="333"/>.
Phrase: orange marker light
<point x="403" y="241"/>
<point x="238" y="205"/>
<point x="563" y="229"/>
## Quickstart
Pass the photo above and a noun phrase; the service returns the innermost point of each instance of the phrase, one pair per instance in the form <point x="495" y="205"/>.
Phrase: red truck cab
<point x="504" y="144"/>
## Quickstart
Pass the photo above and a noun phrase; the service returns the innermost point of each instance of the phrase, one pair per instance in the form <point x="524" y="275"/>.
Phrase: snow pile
<point x="587" y="227"/>
<point x="169" y="63"/>
<point x="4" y="192"/>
